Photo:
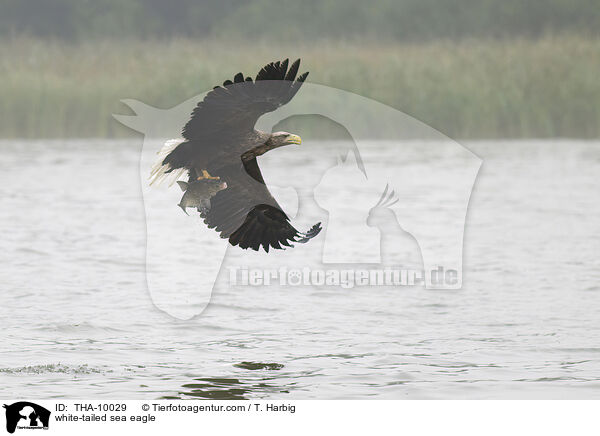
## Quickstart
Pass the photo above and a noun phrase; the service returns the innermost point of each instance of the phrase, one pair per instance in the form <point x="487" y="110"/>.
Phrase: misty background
<point x="80" y="321"/>
<point x="471" y="69"/>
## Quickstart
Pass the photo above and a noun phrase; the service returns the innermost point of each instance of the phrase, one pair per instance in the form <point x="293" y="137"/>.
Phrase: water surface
<point x="78" y="321"/>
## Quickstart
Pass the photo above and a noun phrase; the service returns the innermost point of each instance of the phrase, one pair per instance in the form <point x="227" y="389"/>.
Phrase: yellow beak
<point x="294" y="139"/>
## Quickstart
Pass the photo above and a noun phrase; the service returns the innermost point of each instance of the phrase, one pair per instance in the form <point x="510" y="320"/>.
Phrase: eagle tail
<point x="160" y="173"/>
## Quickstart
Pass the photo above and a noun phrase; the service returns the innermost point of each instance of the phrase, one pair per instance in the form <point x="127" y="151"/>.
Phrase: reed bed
<point x="517" y="88"/>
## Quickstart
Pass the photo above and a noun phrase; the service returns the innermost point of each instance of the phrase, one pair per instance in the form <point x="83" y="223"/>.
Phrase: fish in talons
<point x="198" y="193"/>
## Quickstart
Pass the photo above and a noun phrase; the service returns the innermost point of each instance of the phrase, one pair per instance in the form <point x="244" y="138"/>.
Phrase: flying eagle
<point x="221" y="143"/>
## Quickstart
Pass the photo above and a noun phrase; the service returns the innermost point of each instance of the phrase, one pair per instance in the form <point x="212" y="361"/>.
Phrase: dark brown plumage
<point x="220" y="138"/>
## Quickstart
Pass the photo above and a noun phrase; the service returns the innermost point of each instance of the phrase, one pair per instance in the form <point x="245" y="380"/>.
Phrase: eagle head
<point x="279" y="139"/>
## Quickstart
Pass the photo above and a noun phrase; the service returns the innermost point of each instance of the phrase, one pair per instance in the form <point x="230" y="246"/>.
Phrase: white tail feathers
<point x="158" y="172"/>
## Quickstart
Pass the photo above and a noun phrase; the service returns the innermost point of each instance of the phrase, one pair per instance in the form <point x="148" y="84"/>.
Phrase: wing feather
<point x="239" y="77"/>
<point x="233" y="109"/>
<point x="291" y="74"/>
<point x="247" y="214"/>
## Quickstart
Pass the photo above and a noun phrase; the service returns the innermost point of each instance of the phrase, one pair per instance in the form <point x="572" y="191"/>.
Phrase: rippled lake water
<point x="78" y="322"/>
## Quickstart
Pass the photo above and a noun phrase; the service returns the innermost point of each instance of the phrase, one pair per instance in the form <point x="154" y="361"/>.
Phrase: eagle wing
<point x="228" y="113"/>
<point x="247" y="214"/>
<point x="234" y="108"/>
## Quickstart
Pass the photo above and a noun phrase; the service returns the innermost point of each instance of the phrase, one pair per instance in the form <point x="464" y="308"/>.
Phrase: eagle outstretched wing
<point x="247" y="214"/>
<point x="234" y="108"/>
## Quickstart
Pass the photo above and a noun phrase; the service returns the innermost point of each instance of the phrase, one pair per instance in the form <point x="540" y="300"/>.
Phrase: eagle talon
<point x="206" y="176"/>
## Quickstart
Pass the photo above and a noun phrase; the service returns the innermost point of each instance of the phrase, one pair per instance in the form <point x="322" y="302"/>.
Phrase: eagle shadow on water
<point x="218" y="155"/>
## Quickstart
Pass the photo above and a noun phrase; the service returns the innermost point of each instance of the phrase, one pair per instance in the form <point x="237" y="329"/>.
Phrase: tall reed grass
<point x="471" y="89"/>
